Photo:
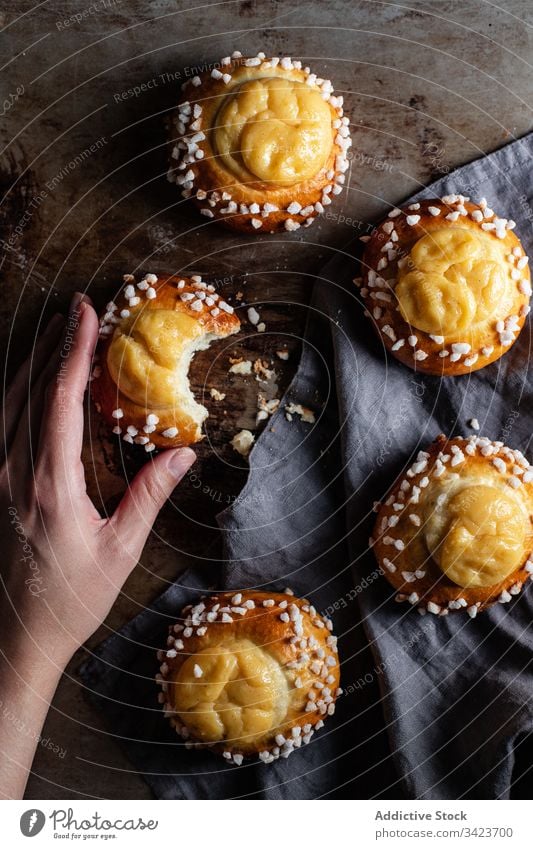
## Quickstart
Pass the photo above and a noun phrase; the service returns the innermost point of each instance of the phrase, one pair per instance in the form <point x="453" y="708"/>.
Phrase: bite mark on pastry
<point x="147" y="341"/>
<point x="249" y="674"/>
<point x="260" y="144"/>
<point x="447" y="284"/>
<point x="456" y="530"/>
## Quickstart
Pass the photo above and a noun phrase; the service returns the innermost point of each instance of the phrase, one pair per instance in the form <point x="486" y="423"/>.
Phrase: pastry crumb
<point x="282" y="355"/>
<point x="265" y="408"/>
<point x="253" y="315"/>
<point x="242" y="442"/>
<point x="216" y="395"/>
<point x="473" y="423"/>
<point x="262" y="371"/>
<point x="241" y="367"/>
<point x="261" y="327"/>
<point x="305" y="413"/>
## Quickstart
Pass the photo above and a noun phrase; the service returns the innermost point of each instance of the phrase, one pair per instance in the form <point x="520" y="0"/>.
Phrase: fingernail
<point x="179" y="461"/>
<point x="77" y="298"/>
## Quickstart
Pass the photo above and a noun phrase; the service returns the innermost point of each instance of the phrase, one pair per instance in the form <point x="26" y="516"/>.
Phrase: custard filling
<point x="477" y="539"/>
<point x="454" y="279"/>
<point x="149" y="357"/>
<point x="232" y="691"/>
<point x="274" y="130"/>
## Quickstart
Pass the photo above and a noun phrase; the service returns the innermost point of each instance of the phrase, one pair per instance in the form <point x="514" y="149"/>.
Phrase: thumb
<point x="133" y="519"/>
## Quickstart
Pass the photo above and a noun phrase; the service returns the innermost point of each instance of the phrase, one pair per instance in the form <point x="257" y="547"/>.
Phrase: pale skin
<point x="63" y="564"/>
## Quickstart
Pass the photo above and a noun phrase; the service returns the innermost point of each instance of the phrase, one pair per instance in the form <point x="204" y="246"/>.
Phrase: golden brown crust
<point x="133" y="421"/>
<point x="458" y="353"/>
<point x="251" y="207"/>
<point x="399" y="539"/>
<point x="288" y="634"/>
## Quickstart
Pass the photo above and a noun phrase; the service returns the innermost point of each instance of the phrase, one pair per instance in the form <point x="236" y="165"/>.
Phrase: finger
<point x="51" y="368"/>
<point x="16" y="396"/>
<point x="23" y="449"/>
<point x="133" y="519"/>
<point x="61" y="434"/>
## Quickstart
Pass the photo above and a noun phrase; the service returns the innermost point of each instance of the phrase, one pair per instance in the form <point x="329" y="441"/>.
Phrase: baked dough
<point x="147" y="340"/>
<point x="259" y="144"/>
<point x="446" y="284"/>
<point x="249" y="674"/>
<point x="456" y="531"/>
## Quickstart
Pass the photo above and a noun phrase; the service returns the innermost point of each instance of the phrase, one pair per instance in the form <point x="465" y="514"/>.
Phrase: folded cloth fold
<point x="452" y="694"/>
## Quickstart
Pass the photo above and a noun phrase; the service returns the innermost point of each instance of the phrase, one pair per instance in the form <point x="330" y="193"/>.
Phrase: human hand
<point x="63" y="564"/>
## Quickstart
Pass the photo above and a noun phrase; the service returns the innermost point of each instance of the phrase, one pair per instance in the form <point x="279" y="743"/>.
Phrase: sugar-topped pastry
<point x="446" y="284"/>
<point x="249" y="674"/>
<point x="147" y="340"/>
<point x="456" y="530"/>
<point x="259" y="143"/>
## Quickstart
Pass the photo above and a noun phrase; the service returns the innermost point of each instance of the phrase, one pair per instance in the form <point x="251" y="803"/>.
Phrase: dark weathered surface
<point x="428" y="85"/>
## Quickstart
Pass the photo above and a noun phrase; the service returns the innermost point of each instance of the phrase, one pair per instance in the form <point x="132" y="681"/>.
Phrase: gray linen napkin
<point x="453" y="694"/>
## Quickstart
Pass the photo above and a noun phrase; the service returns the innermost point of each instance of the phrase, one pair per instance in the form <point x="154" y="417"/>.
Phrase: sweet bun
<point x="147" y="340"/>
<point x="259" y="144"/>
<point x="456" y="530"/>
<point x="446" y="284"/>
<point x="249" y="674"/>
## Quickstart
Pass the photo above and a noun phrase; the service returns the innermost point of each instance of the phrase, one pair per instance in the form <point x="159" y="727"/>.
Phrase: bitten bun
<point x="249" y="674"/>
<point x="147" y="340"/>
<point x="446" y="284"/>
<point x="456" y="530"/>
<point x="259" y="144"/>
